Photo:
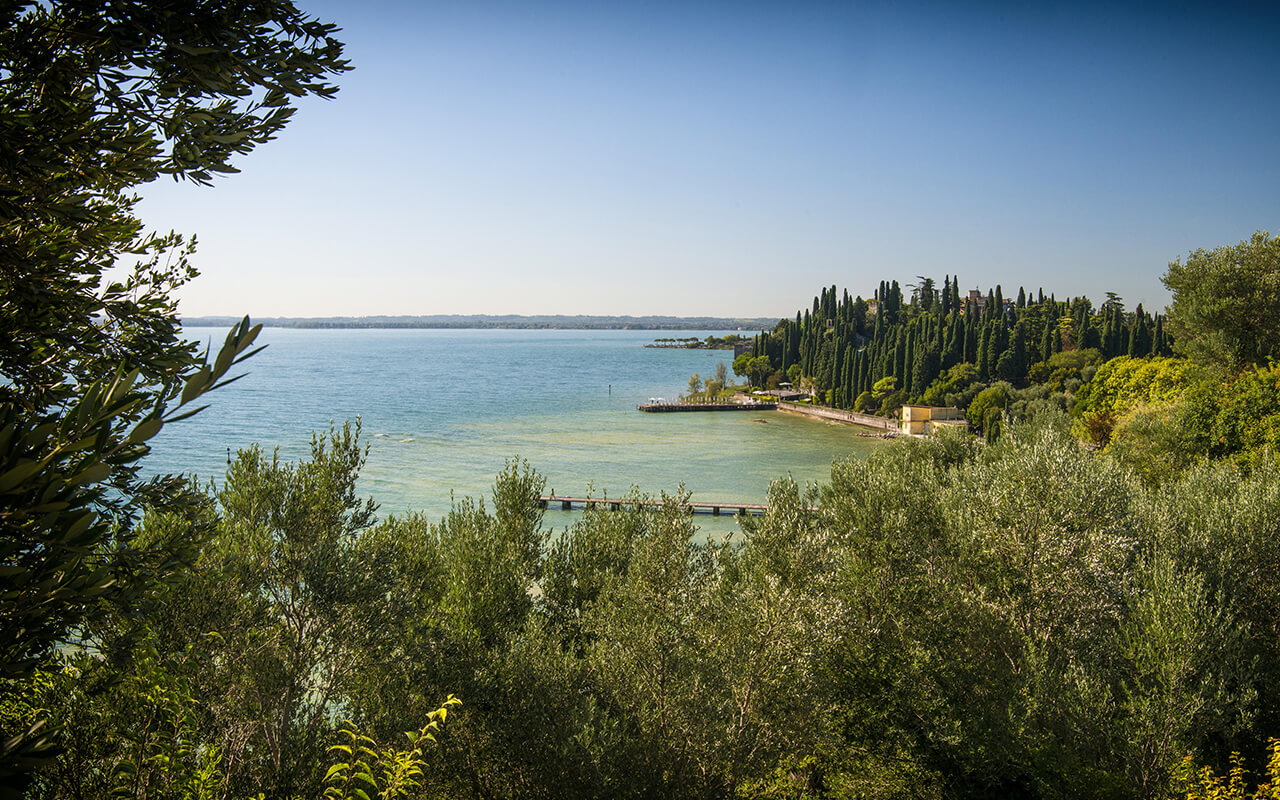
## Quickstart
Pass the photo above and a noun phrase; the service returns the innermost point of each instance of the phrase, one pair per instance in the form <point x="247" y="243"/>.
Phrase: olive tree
<point x="1226" y="303"/>
<point x="98" y="99"/>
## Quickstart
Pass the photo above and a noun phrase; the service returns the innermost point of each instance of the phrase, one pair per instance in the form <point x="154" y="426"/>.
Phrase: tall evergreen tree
<point x="954" y="352"/>
<point x="925" y="369"/>
<point x="997" y="346"/>
<point x="984" y="344"/>
<point x="1018" y="346"/>
<point x="1139" y="335"/>
<point x="1159" y="345"/>
<point x="908" y="362"/>
<point x="899" y="355"/>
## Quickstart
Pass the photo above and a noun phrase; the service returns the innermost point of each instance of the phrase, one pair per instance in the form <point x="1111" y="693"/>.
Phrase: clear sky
<point x="731" y="158"/>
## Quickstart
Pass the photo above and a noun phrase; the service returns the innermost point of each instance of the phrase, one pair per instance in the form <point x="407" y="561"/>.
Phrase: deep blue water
<point x="443" y="409"/>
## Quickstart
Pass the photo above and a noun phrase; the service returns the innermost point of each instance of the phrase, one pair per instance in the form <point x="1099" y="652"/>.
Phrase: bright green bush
<point x="1119" y="385"/>
<point x="996" y="396"/>
<point x="952" y="381"/>
<point x="1247" y="424"/>
<point x="1149" y="440"/>
<point x="1204" y="784"/>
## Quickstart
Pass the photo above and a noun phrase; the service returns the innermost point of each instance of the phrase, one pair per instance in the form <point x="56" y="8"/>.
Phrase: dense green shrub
<point x="1121" y="384"/>
<point x="952" y="381"/>
<point x="996" y="396"/>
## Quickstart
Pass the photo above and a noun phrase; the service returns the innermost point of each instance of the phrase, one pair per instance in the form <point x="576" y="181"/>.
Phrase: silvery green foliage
<point x="1051" y="527"/>
<point x="1221" y="528"/>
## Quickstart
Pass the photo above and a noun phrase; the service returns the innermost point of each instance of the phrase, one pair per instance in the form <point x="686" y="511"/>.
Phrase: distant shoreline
<point x="509" y="321"/>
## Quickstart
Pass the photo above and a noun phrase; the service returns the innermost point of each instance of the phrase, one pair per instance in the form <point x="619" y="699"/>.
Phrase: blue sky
<point x="732" y="158"/>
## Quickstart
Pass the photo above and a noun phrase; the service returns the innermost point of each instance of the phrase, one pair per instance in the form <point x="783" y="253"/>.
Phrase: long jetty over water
<point x="659" y="408"/>
<point x="715" y="508"/>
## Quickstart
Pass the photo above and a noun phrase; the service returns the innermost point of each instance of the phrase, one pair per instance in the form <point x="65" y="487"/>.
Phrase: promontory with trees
<point x="1018" y="615"/>
<point x="1112" y="370"/>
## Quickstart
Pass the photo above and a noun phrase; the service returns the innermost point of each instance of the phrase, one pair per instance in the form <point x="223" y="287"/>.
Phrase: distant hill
<point x="579" y="322"/>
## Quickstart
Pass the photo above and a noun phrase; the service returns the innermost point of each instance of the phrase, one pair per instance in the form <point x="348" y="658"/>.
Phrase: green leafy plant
<point x="369" y="771"/>
<point x="1204" y="784"/>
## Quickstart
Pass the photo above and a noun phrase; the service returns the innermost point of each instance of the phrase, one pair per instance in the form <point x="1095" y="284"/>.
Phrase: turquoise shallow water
<point x="443" y="409"/>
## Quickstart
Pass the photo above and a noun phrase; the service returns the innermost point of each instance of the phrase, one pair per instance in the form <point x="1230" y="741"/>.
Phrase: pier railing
<point x="713" y="507"/>
<point x="659" y="408"/>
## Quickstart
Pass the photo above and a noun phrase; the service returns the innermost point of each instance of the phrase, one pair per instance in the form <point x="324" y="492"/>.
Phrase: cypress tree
<point x="1005" y="368"/>
<point x="908" y="364"/>
<point x="993" y="351"/>
<point x="1089" y="336"/>
<point x="1115" y="339"/>
<point x="981" y="360"/>
<point x="996" y="347"/>
<point x="1019" y="349"/>
<point x="899" y="356"/>
<point x="1139" y="335"/>
<point x="1046" y="341"/>
<point x="837" y="367"/>
<point x="924" y="371"/>
<point x="850" y="373"/>
<point x="955" y="343"/>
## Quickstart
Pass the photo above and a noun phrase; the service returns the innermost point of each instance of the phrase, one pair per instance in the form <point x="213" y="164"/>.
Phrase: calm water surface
<point x="442" y="410"/>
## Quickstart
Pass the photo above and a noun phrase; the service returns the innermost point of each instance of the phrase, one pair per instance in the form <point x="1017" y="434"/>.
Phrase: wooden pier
<point x="660" y="408"/>
<point x="715" y="508"/>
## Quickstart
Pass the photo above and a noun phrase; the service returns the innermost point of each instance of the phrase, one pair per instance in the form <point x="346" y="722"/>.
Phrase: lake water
<point x="443" y="409"/>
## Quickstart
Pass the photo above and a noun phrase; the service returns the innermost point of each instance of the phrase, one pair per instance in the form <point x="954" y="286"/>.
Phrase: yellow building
<point x="922" y="420"/>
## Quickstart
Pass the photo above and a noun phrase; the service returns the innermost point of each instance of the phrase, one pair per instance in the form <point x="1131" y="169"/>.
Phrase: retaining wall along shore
<point x="836" y="415"/>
